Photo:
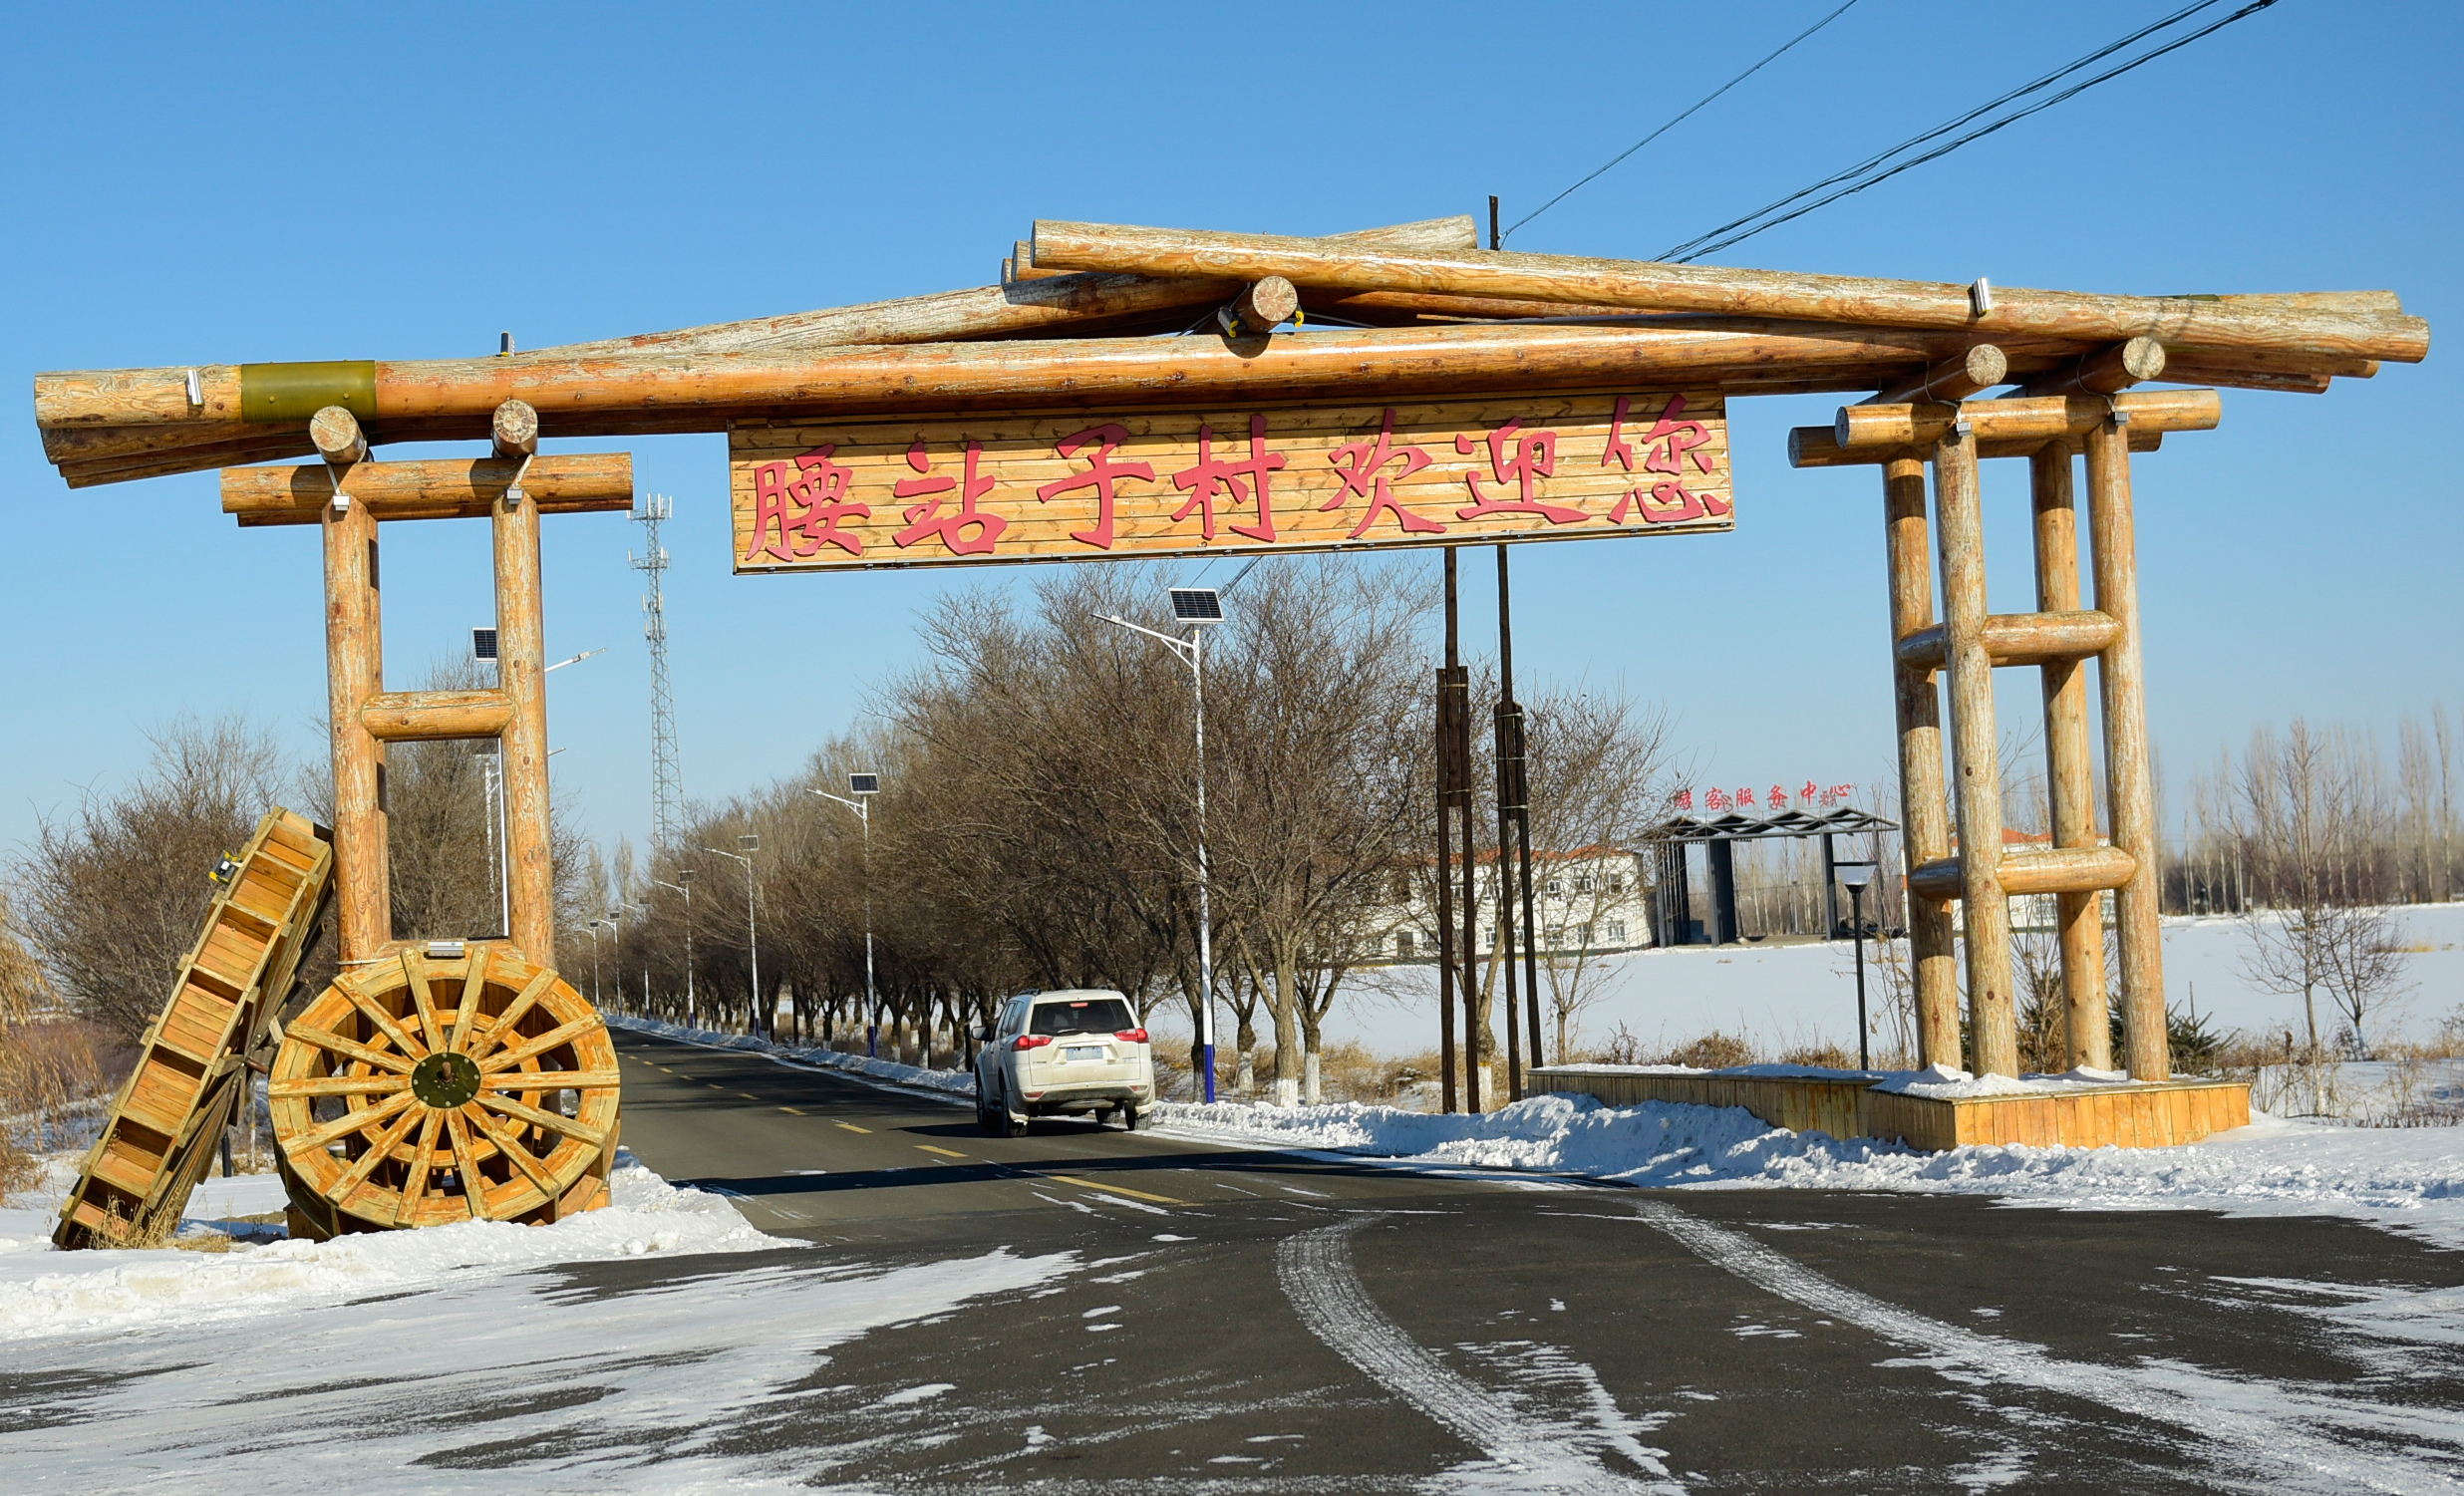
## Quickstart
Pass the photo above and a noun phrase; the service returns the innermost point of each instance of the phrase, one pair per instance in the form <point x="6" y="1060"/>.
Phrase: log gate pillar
<point x="2050" y="422"/>
<point x="347" y="497"/>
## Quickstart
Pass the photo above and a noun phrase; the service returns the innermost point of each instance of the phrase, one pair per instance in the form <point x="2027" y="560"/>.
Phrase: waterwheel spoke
<point x="311" y="1141"/>
<point x="474" y="1188"/>
<point x="546" y="1080"/>
<point x="423" y="1162"/>
<point x="475" y="982"/>
<point x="366" y="1164"/>
<point x="340" y="1085"/>
<point x="562" y="1033"/>
<point x="386" y="1023"/>
<point x="501" y="1032"/>
<point x="335" y="1043"/>
<point x="511" y="1148"/>
<point x="495" y="1101"/>
<point x="415" y="971"/>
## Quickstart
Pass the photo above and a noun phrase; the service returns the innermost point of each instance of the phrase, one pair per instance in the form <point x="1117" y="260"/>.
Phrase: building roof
<point x="1736" y="826"/>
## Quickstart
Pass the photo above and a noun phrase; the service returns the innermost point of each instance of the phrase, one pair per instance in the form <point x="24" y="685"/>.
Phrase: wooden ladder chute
<point x="167" y="1121"/>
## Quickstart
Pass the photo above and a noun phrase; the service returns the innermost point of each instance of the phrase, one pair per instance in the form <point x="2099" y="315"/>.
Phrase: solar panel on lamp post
<point x="1856" y="875"/>
<point x="1196" y="607"/>
<point x="864" y="788"/>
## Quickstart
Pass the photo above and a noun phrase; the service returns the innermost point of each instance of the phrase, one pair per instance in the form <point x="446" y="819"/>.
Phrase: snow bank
<point x="2412" y="1178"/>
<point x="45" y="1291"/>
<point x="947" y="1083"/>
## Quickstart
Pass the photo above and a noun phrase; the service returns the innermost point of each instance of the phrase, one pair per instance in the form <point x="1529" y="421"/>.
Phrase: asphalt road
<point x="1242" y="1320"/>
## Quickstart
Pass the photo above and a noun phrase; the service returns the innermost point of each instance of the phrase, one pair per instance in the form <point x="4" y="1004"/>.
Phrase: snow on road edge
<point x="2407" y="1179"/>
<point x="943" y="1082"/>
<point x="45" y="1291"/>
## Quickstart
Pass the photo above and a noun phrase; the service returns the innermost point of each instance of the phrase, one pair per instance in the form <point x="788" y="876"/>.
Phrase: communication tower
<point x="666" y="779"/>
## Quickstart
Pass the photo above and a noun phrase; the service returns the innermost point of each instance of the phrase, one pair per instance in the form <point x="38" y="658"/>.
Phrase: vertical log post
<point x="1925" y="807"/>
<point x="1984" y="914"/>
<point x="2131" y="812"/>
<point x="355" y="670"/>
<point x="2070" y="777"/>
<point x="521" y="668"/>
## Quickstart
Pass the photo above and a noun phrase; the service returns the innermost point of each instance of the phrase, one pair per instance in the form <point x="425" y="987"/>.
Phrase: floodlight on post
<point x="753" y="936"/>
<point x="1195" y="607"/>
<point x="863" y="787"/>
<point x="1856" y="875"/>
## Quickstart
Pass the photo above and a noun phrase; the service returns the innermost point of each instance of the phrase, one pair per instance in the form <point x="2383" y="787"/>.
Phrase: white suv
<point x="1054" y="1052"/>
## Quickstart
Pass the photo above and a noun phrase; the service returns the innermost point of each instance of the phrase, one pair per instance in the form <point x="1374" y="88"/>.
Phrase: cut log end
<point x="515" y="430"/>
<point x="336" y="433"/>
<point x="1261" y="308"/>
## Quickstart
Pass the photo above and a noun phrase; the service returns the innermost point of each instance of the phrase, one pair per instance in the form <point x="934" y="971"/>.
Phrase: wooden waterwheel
<point x="421" y="1091"/>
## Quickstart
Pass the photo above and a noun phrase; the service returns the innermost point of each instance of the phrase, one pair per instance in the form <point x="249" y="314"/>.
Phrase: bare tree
<point x="116" y="892"/>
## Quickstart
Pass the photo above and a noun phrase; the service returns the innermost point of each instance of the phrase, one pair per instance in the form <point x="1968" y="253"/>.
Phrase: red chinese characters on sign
<point x="926" y="519"/>
<point x="794" y="518"/>
<point x="1535" y="456"/>
<point x="1683" y="799"/>
<point x="1667" y="446"/>
<point x="1362" y="465"/>
<point x="1805" y="797"/>
<point x="1239" y="479"/>
<point x="1100" y="474"/>
<point x="1716" y="799"/>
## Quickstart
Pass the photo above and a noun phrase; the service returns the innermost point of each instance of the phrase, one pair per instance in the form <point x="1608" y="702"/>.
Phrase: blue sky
<point x="196" y="183"/>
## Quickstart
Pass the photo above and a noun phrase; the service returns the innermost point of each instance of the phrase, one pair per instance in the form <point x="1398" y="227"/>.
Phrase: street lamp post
<point x="864" y="788"/>
<point x="753" y="936"/>
<point x="1856" y="875"/>
<point x="684" y="885"/>
<point x="593" y="927"/>
<point x="1196" y="607"/>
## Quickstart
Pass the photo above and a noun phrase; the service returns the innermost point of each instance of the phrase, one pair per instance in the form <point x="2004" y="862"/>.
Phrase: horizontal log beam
<point x="2041" y="418"/>
<point x="430" y="488"/>
<point x="2188" y="373"/>
<point x="1818" y="447"/>
<point x="2108" y="371"/>
<point x="1975" y="368"/>
<point x="436" y="716"/>
<point x="2021" y="638"/>
<point x="2035" y="870"/>
<point x="2222" y="324"/>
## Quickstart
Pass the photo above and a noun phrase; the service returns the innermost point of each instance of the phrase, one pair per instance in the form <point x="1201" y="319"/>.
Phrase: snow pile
<point x="2411" y="1177"/>
<point x="45" y="1291"/>
<point x="959" y="1083"/>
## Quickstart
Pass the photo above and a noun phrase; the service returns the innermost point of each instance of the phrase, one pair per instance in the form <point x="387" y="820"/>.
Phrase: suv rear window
<point x="1088" y="1016"/>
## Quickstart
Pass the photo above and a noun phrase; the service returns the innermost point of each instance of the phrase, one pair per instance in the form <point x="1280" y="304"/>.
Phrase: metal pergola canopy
<point x="1736" y="826"/>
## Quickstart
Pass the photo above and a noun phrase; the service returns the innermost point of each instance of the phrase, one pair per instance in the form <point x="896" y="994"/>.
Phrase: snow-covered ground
<point x="1785" y="996"/>
<point x="46" y="1292"/>
<point x="311" y="1367"/>
<point x="2409" y="1178"/>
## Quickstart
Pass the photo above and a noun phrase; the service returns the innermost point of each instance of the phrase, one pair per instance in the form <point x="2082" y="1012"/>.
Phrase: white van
<point x="1058" y="1052"/>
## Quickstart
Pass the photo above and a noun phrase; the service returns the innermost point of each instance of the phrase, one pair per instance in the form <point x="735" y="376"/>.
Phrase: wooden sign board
<point x="942" y="491"/>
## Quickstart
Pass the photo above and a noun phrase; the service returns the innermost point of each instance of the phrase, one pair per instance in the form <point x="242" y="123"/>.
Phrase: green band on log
<point x="295" y="392"/>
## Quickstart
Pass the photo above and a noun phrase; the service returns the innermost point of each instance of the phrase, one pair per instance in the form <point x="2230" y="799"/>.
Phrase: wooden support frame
<point x="366" y="717"/>
<point x="2058" y="639"/>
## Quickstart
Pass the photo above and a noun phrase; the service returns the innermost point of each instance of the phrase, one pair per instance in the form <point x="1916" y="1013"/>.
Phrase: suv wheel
<point x="1129" y="1118"/>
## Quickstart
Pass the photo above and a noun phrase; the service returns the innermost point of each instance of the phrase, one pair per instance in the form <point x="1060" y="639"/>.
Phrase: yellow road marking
<point x="944" y="1152"/>
<point x="748" y="1095"/>
<point x="1114" y="1189"/>
<point x="792" y="1111"/>
<point x="851" y="1127"/>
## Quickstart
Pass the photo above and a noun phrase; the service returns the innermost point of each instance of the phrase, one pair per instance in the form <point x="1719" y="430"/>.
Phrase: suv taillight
<point x="1031" y="1041"/>
<point x="1131" y="1035"/>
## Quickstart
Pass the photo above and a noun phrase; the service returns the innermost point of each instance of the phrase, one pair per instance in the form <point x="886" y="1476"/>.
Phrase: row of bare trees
<point x="1038" y="823"/>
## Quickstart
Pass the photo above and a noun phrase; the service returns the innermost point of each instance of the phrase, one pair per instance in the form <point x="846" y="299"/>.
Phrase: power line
<point x="1857" y="180"/>
<point x="1679" y="119"/>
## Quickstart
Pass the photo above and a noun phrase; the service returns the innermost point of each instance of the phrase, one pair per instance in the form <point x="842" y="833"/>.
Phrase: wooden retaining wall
<point x="2136" y="1114"/>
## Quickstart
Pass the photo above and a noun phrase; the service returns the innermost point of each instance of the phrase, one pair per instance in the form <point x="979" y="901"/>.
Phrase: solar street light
<point x="1857" y="875"/>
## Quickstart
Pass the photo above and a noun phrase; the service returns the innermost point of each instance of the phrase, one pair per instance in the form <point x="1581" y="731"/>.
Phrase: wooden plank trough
<point x="194" y="1061"/>
<point x="2133" y="1114"/>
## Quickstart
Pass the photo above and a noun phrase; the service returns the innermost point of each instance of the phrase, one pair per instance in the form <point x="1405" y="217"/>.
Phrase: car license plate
<point x="1082" y="1051"/>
